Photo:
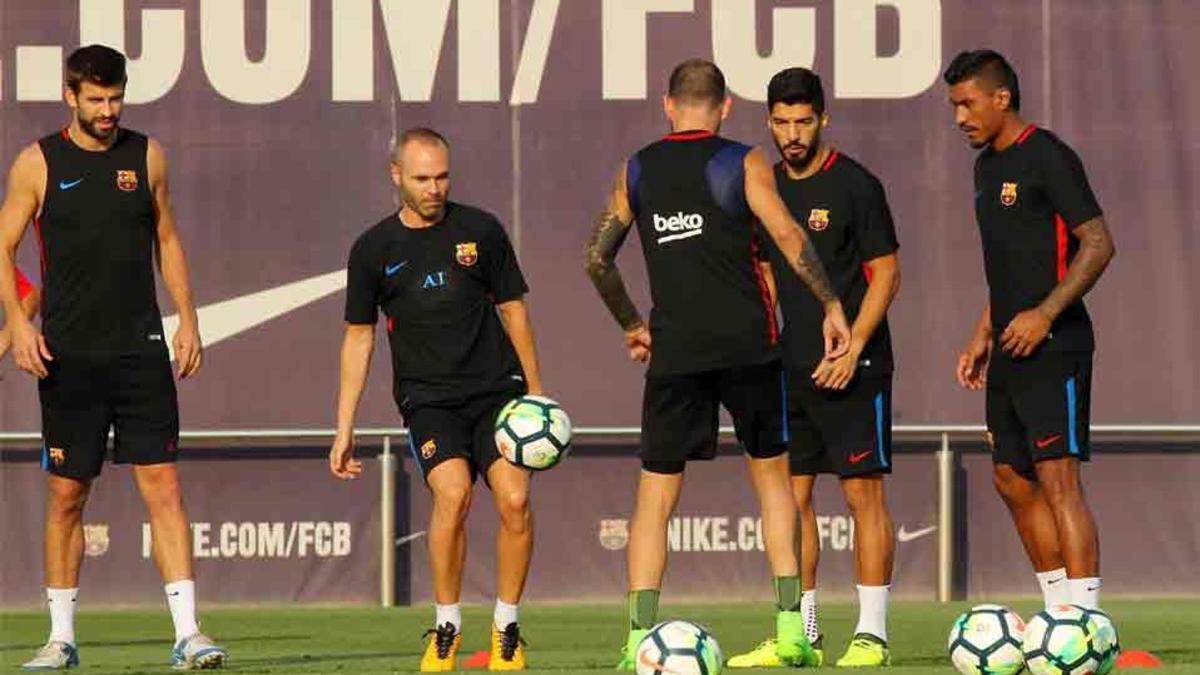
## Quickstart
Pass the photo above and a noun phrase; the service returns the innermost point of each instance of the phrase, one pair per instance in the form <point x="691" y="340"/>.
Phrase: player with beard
<point x="1045" y="244"/>
<point x="446" y="277"/>
<point x="839" y="410"/>
<point x="98" y="196"/>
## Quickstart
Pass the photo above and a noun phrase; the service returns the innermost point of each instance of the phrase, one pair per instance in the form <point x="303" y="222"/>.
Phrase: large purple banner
<point x="277" y="115"/>
<point x="263" y="530"/>
<point x="715" y="546"/>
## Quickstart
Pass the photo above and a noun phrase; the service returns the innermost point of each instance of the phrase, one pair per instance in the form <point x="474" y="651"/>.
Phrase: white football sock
<point x="504" y="614"/>
<point x="872" y="611"/>
<point x="181" y="599"/>
<point x="808" y="609"/>
<point x="1085" y="592"/>
<point x="62" y="602"/>
<point x="1055" y="590"/>
<point x="451" y="614"/>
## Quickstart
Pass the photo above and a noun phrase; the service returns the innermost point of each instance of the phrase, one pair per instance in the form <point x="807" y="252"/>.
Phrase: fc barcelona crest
<point x="818" y="219"/>
<point x="127" y="180"/>
<point x="95" y="540"/>
<point x="466" y="253"/>
<point x="428" y="449"/>
<point x="614" y="533"/>
<point x="1008" y="194"/>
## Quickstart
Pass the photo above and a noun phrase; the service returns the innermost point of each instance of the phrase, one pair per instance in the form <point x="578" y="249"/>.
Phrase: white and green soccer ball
<point x="986" y="640"/>
<point x="533" y="432"/>
<point x="679" y="648"/>
<point x="1070" y="640"/>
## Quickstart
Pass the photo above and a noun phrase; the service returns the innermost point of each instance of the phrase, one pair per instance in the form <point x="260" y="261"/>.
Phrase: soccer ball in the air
<point x="533" y="432"/>
<point x="986" y="640"/>
<point x="1070" y="640"/>
<point x="678" y="648"/>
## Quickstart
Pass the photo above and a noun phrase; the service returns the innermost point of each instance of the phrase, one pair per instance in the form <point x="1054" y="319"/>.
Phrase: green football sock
<point x="787" y="593"/>
<point x="643" y="609"/>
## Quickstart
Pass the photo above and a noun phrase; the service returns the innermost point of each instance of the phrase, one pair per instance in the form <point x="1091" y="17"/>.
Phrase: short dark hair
<point x="796" y="85"/>
<point x="418" y="134"/>
<point x="987" y="65"/>
<point x="97" y="64"/>
<point x="697" y="81"/>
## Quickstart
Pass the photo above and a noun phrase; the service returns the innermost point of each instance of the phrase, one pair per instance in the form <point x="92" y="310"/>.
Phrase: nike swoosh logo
<point x="1053" y="581"/>
<point x="67" y="185"/>
<point x="392" y="269"/>
<point x="1047" y="441"/>
<point x="400" y="541"/>
<point x="228" y="318"/>
<point x="858" y="457"/>
<point x="904" y="536"/>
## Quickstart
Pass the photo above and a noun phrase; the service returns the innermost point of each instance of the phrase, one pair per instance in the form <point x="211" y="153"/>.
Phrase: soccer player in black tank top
<point x="99" y="196"/>
<point x="1045" y="244"/>
<point x="711" y="336"/>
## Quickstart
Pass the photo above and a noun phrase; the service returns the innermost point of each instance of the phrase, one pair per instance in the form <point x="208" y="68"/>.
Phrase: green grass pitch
<point x="562" y="638"/>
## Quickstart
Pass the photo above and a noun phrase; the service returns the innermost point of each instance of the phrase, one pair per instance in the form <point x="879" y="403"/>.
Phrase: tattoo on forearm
<point x="606" y="240"/>
<point x="810" y="270"/>
<point x="1095" y="251"/>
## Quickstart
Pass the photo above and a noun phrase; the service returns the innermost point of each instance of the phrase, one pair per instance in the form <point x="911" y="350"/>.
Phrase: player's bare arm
<point x="1030" y="328"/>
<point x="173" y="265"/>
<point x="881" y="290"/>
<point x="22" y="200"/>
<point x="357" y="347"/>
<point x="612" y="226"/>
<point x="29" y="308"/>
<point x="973" y="360"/>
<point x="799" y="252"/>
<point x="514" y="315"/>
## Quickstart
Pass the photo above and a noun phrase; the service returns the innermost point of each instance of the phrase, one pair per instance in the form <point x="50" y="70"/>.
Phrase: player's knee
<point x="513" y="506"/>
<point x="1062" y="491"/>
<point x="453" y="499"/>
<point x="160" y="490"/>
<point x="67" y="498"/>
<point x="864" y="496"/>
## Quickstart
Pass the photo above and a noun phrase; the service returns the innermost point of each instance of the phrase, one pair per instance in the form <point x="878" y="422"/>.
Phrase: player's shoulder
<point x="1045" y="143"/>
<point x="31" y="156"/>
<point x="375" y="235"/>
<point x="473" y="219"/>
<point x="855" y="175"/>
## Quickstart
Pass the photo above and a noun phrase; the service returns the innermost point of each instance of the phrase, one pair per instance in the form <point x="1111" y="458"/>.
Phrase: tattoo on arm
<point x="808" y="267"/>
<point x="1095" y="251"/>
<point x="606" y="240"/>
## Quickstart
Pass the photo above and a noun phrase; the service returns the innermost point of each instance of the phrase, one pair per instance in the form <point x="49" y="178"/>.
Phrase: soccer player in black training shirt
<point x="447" y="280"/>
<point x="711" y="337"/>
<point x="839" y="410"/>
<point x="99" y="195"/>
<point x="1045" y="244"/>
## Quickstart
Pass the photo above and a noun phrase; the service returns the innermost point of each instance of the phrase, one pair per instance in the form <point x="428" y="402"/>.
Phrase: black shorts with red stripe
<point x="1038" y="409"/>
<point x="847" y="433"/>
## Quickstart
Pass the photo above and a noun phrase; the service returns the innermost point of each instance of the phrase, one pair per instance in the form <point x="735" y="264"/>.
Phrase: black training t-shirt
<point x="438" y="287"/>
<point x="845" y="213"/>
<point x="1028" y="198"/>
